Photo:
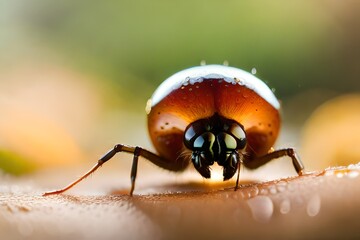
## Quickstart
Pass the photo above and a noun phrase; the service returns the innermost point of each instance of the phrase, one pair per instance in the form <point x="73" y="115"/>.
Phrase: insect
<point x="216" y="114"/>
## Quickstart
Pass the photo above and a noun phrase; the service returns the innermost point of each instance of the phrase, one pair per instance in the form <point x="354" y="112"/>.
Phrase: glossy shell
<point x="199" y="92"/>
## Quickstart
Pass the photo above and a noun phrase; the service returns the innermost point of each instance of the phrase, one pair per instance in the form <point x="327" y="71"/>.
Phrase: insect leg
<point x="253" y="163"/>
<point x="239" y="168"/>
<point x="136" y="151"/>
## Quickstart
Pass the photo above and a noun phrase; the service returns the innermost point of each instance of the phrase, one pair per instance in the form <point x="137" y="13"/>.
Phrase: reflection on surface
<point x="312" y="203"/>
<point x="261" y="208"/>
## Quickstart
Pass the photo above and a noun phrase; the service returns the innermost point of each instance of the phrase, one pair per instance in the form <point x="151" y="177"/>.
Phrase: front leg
<point x="256" y="162"/>
<point x="136" y="151"/>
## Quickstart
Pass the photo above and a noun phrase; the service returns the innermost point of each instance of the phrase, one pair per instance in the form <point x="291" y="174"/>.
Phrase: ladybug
<point x="209" y="114"/>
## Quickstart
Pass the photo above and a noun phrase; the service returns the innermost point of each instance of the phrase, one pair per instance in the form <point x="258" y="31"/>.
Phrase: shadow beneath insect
<point x="183" y="188"/>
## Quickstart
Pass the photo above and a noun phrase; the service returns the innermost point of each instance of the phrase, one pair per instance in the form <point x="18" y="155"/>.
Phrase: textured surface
<point x="313" y="206"/>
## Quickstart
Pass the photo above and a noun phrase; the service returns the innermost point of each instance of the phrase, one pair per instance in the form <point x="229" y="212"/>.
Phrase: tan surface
<point x="312" y="206"/>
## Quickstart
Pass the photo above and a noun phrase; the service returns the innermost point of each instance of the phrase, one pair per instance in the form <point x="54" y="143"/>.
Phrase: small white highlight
<point x="261" y="207"/>
<point x="148" y="106"/>
<point x="313" y="206"/>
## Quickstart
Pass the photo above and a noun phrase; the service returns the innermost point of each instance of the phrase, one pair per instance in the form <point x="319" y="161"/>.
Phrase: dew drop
<point x="329" y="172"/>
<point x="261" y="207"/>
<point x="272" y="190"/>
<point x="281" y="186"/>
<point x="352" y="166"/>
<point x="352" y="174"/>
<point x="313" y="206"/>
<point x="226" y="63"/>
<point x="340" y="175"/>
<point x="264" y="191"/>
<point x="285" y="206"/>
<point x="290" y="187"/>
<point x="253" y="71"/>
<point x="202" y="63"/>
<point x="253" y="191"/>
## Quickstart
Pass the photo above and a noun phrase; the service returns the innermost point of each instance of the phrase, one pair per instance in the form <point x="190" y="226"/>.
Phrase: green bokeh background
<point x="294" y="45"/>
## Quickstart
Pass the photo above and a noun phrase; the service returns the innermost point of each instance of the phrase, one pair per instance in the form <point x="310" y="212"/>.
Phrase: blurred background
<point x="75" y="75"/>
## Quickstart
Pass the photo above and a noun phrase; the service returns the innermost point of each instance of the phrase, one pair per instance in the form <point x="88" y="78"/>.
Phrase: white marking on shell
<point x="201" y="73"/>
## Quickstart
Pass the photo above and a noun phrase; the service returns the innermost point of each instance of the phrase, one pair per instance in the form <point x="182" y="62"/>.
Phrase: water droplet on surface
<point x="285" y="206"/>
<point x="352" y="166"/>
<point x="253" y="71"/>
<point x="352" y="174"/>
<point x="226" y="63"/>
<point x="281" y="186"/>
<point x="239" y="81"/>
<point x="202" y="63"/>
<point x="261" y="207"/>
<point x="186" y="82"/>
<point x="253" y="191"/>
<point x="264" y="191"/>
<point x="340" y="175"/>
<point x="313" y="206"/>
<point x="272" y="190"/>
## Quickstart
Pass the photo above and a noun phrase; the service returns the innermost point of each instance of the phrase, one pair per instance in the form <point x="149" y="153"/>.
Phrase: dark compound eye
<point x="190" y="133"/>
<point x="226" y="141"/>
<point x="205" y="141"/>
<point x="193" y="131"/>
<point x="237" y="131"/>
